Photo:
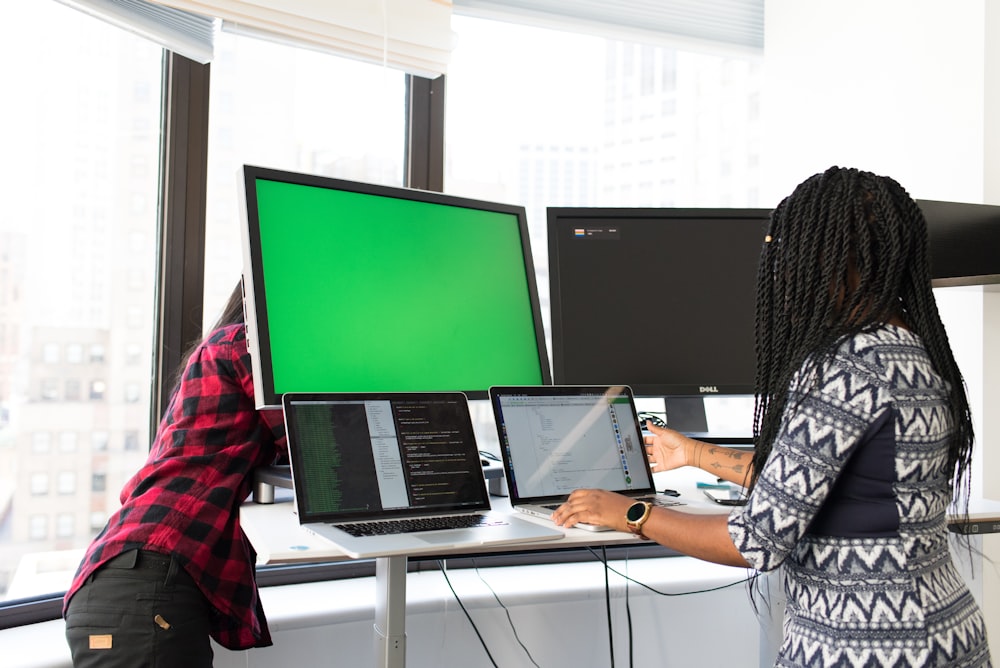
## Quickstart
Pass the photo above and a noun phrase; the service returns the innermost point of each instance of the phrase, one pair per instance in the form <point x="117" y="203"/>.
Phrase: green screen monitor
<point x="354" y="287"/>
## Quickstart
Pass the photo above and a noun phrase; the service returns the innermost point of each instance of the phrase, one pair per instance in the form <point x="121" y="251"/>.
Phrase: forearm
<point x="705" y="537"/>
<point x="729" y="464"/>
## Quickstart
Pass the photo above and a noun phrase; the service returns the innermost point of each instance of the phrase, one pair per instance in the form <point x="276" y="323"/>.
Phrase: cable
<point x="607" y="605"/>
<point x="467" y="616"/>
<point x="663" y="593"/>
<point x="509" y="620"/>
<point x="628" y="615"/>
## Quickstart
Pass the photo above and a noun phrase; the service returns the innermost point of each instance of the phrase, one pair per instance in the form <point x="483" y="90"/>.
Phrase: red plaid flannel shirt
<point x="185" y="500"/>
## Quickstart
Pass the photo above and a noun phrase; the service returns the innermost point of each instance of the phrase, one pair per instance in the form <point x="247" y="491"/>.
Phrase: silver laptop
<point x="381" y="474"/>
<point x="555" y="439"/>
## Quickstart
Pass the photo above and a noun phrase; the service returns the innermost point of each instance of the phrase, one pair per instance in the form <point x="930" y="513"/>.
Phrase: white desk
<point x="277" y="537"/>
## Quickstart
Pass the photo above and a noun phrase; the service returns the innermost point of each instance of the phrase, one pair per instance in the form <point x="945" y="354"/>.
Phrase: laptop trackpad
<point x="447" y="537"/>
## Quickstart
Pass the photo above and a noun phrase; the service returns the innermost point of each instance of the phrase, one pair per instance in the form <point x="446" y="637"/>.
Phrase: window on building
<point x="41" y="442"/>
<point x="74" y="353"/>
<point x="99" y="441"/>
<point x="49" y="389"/>
<point x="50" y="353"/>
<point x="131" y="442"/>
<point x="98" y="481"/>
<point x="66" y="483"/>
<point x="39" y="484"/>
<point x="72" y="391"/>
<point x="65" y="525"/>
<point x="68" y="441"/>
<point x="38" y="527"/>
<point x="97" y="389"/>
<point x="96" y="353"/>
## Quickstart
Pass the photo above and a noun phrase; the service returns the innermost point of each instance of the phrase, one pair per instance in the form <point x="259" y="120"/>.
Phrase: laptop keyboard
<point x="416" y="524"/>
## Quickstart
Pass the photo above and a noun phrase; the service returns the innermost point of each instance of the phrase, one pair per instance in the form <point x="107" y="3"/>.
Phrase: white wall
<point x="894" y="87"/>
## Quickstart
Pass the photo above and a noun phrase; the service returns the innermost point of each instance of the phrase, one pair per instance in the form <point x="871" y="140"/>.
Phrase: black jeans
<point x="139" y="610"/>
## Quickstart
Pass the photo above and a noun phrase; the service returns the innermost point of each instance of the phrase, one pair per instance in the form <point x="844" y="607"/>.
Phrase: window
<point x="49" y="389"/>
<point x="66" y="483"/>
<point x="74" y="353"/>
<point x="50" y="353"/>
<point x="39" y="484"/>
<point x="131" y="442"/>
<point x="68" y="441"/>
<point x="99" y="441"/>
<point x="96" y="353"/>
<point x="132" y="393"/>
<point x="41" y="442"/>
<point x="64" y="525"/>
<point x="38" y="527"/>
<point x="98" y="481"/>
<point x="80" y="220"/>
<point x="72" y="389"/>
<point x="295" y="109"/>
<point x="575" y="120"/>
<point x="97" y="389"/>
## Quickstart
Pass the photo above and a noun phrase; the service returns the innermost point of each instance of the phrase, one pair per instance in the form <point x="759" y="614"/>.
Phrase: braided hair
<point x="845" y="253"/>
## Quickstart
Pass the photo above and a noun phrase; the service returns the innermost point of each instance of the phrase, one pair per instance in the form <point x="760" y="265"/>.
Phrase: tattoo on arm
<point x="738" y="457"/>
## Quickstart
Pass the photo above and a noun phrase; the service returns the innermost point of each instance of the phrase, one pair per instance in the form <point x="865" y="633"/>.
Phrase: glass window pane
<point x="295" y="109"/>
<point x="79" y="184"/>
<point x="566" y="119"/>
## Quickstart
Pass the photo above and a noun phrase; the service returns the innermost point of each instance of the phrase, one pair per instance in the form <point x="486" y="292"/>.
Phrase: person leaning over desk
<point x="863" y="438"/>
<point x="172" y="567"/>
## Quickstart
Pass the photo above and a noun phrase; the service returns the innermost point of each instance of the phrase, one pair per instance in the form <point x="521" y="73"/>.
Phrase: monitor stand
<point x="266" y="478"/>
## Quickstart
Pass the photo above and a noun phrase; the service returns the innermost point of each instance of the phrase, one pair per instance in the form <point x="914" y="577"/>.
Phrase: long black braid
<point x="846" y="252"/>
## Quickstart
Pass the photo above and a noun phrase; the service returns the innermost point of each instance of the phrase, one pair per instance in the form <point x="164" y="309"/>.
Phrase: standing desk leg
<point x="390" y="612"/>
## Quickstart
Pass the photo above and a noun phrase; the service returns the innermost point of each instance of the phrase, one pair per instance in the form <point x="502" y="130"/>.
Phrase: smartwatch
<point x="636" y="516"/>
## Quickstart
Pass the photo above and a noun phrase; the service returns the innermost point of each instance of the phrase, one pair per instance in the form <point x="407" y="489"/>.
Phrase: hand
<point x="666" y="448"/>
<point x="594" y="506"/>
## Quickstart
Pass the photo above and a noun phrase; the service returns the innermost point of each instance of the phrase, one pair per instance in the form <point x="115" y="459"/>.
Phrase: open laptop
<point x="381" y="474"/>
<point x="558" y="438"/>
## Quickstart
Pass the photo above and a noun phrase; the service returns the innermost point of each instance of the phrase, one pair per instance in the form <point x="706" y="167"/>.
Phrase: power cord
<point x="603" y="558"/>
<point x="482" y="642"/>
<point x="664" y="593"/>
<point x="507" y="612"/>
<point x="607" y="607"/>
<point x="469" y="617"/>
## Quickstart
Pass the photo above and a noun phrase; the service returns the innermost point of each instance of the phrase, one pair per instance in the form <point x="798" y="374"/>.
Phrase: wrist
<point x="636" y="516"/>
<point x="692" y="452"/>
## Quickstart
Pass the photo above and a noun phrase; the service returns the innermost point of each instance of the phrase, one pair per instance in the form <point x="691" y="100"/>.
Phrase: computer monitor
<point x="355" y="287"/>
<point x="660" y="299"/>
<point x="963" y="239"/>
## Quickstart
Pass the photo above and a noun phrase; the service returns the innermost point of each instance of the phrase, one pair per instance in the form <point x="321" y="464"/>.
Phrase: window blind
<point x="191" y="35"/>
<point x="412" y="35"/>
<point x="712" y="24"/>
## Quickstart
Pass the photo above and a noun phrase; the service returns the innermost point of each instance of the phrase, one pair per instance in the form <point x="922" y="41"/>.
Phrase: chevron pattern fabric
<point x="894" y="600"/>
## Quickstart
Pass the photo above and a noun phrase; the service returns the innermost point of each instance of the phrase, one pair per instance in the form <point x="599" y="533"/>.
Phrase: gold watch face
<point x="635" y="512"/>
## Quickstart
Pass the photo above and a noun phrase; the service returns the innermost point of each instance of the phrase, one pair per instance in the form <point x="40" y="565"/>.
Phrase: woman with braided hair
<point x="863" y="440"/>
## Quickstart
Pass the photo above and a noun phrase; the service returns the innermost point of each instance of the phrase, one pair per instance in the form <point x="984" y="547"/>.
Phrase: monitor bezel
<point x="254" y="297"/>
<point x="556" y="216"/>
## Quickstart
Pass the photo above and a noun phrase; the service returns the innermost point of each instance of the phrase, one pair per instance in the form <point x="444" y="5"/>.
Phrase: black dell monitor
<point x="660" y="299"/>
<point x="355" y="287"/>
